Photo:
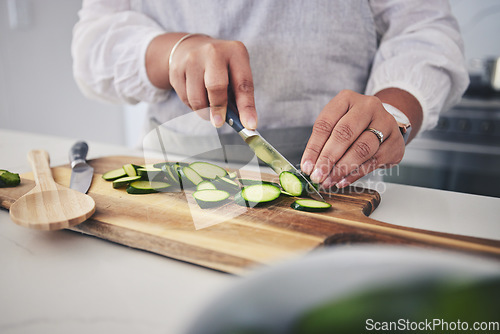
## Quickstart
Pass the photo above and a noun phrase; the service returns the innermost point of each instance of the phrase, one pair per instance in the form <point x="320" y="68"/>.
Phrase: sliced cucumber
<point x="130" y="169"/>
<point x="160" y="164"/>
<point x="146" y="187"/>
<point x="114" y="174"/>
<point x="124" y="181"/>
<point x="257" y="194"/>
<point x="151" y="173"/>
<point x="286" y="194"/>
<point x="8" y="179"/>
<point x="224" y="183"/>
<point x="293" y="184"/>
<point x="310" y="205"/>
<point x="171" y="175"/>
<point x="232" y="175"/>
<point x="210" y="198"/>
<point x="189" y="177"/>
<point x="207" y="170"/>
<point x="206" y="185"/>
<point x="250" y="182"/>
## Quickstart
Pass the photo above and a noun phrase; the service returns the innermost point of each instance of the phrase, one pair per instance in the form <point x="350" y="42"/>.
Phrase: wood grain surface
<point x="233" y="238"/>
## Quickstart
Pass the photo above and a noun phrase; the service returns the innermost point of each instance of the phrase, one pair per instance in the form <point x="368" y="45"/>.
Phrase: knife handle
<point x="233" y="118"/>
<point x="78" y="153"/>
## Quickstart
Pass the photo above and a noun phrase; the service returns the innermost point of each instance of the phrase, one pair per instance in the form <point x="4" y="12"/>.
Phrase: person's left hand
<point x="341" y="150"/>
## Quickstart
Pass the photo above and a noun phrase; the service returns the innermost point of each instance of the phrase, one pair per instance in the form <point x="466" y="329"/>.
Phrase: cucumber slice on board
<point x="189" y="177"/>
<point x="147" y="187"/>
<point x="210" y="198"/>
<point x="310" y="205"/>
<point x="232" y="175"/>
<point x="292" y="184"/>
<point x="8" y="179"/>
<point x="224" y="183"/>
<point x="207" y="170"/>
<point x="114" y="174"/>
<point x="150" y="173"/>
<point x="206" y="185"/>
<point x="130" y="169"/>
<point x="171" y="175"/>
<point x="124" y="181"/>
<point x="160" y="164"/>
<point x="257" y="194"/>
<point x="250" y="182"/>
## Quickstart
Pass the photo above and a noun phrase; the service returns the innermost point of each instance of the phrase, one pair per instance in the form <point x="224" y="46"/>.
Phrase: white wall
<point x="480" y="26"/>
<point x="37" y="90"/>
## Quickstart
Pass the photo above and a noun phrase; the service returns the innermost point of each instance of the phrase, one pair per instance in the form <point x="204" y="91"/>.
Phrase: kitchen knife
<point x="265" y="151"/>
<point x="81" y="172"/>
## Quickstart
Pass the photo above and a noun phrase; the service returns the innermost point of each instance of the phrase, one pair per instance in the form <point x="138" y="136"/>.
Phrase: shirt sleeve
<point x="108" y="49"/>
<point x="421" y="51"/>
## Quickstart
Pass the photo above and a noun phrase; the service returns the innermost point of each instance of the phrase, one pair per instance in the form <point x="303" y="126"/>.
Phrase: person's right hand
<point x="202" y="72"/>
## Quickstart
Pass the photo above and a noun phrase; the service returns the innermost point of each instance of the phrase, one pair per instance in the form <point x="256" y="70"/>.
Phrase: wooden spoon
<point x="50" y="206"/>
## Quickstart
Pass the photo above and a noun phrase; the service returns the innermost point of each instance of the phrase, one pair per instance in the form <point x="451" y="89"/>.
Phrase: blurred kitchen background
<point x="38" y="94"/>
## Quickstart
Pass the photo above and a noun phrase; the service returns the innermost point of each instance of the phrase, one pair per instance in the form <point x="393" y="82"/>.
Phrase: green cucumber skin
<point x="250" y="182"/>
<point x="302" y="182"/>
<point x="241" y="200"/>
<point x="238" y="199"/>
<point x="171" y="175"/>
<point x="131" y="169"/>
<point x="299" y="207"/>
<point x="211" y="204"/>
<point x="195" y="167"/>
<point x="8" y="179"/>
<point x="134" y="191"/>
<point x="151" y="175"/>
<point x="106" y="176"/>
<point x="124" y="181"/>
<point x="186" y="182"/>
<point x="202" y="186"/>
<point x="226" y="186"/>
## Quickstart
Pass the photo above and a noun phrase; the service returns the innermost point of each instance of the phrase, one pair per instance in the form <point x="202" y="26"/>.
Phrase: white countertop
<point x="65" y="282"/>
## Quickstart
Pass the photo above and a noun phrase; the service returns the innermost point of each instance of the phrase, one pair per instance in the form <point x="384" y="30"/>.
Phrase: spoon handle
<point x="40" y="164"/>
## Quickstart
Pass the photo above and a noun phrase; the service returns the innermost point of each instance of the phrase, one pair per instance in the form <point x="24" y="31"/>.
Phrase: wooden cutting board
<point x="233" y="238"/>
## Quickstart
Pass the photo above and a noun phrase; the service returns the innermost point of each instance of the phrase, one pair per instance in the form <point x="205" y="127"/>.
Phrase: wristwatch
<point x="401" y="118"/>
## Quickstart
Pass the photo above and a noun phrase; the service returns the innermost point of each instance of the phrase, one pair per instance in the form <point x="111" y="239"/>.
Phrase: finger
<point x="242" y="85"/>
<point x="216" y="83"/>
<point x="344" y="133"/>
<point x="388" y="155"/>
<point x="203" y="113"/>
<point x="363" y="148"/>
<point x="322" y="129"/>
<point x="195" y="87"/>
<point x="177" y="80"/>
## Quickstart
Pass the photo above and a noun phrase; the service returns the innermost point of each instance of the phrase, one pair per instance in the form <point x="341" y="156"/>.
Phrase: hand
<point x="341" y="150"/>
<point x="204" y="69"/>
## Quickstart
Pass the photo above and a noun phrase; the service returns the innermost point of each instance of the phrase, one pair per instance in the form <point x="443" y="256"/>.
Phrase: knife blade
<point x="81" y="172"/>
<point x="265" y="151"/>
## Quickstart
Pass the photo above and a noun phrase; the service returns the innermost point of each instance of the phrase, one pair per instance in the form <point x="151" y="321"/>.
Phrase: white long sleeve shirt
<point x="302" y="53"/>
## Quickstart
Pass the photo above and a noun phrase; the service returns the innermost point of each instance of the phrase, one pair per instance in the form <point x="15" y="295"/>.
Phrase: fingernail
<point x="342" y="183"/>
<point x="307" y="167"/>
<point x="251" y="123"/>
<point x="217" y="120"/>
<point x="317" y="175"/>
